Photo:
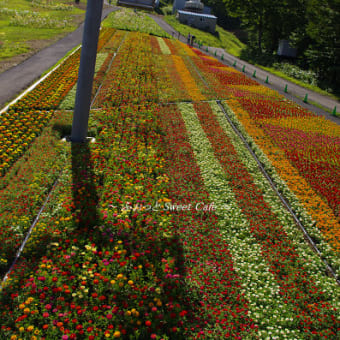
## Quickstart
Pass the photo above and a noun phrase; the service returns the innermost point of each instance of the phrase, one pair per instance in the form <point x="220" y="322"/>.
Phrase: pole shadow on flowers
<point x="85" y="197"/>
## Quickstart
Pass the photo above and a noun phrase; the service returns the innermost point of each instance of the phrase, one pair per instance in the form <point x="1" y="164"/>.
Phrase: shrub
<point x="308" y="77"/>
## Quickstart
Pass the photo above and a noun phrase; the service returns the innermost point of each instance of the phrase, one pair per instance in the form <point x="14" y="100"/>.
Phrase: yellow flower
<point x="116" y="334"/>
<point x="30" y="328"/>
<point x="29" y="300"/>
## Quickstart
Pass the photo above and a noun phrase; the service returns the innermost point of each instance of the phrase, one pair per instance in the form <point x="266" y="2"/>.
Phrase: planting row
<point x="25" y="119"/>
<point x="163" y="228"/>
<point x="269" y="253"/>
<point x="302" y="147"/>
<point x="141" y="249"/>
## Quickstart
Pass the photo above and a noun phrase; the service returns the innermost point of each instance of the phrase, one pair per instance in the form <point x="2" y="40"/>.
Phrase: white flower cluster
<point x="33" y="19"/>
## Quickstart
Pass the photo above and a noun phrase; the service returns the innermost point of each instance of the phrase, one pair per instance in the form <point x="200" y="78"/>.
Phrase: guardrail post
<point x="305" y="100"/>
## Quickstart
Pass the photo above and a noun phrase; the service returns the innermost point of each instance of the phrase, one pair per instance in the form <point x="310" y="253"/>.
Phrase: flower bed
<point x="163" y="227"/>
<point x="283" y="131"/>
<point x="48" y="94"/>
<point x="25" y="187"/>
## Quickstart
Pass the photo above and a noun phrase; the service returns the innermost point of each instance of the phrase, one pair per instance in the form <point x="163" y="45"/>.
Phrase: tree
<point x="323" y="28"/>
<point x="253" y="14"/>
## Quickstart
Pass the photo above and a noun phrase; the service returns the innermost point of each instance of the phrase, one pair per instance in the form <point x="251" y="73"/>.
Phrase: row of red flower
<point x="295" y="284"/>
<point x="309" y="143"/>
<point x="110" y="271"/>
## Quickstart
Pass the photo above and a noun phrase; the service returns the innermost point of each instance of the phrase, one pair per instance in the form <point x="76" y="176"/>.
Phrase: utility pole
<point x="86" y="70"/>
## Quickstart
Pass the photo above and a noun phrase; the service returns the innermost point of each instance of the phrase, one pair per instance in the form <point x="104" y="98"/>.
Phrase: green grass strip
<point x="223" y="39"/>
<point x="130" y="20"/>
<point x="163" y="46"/>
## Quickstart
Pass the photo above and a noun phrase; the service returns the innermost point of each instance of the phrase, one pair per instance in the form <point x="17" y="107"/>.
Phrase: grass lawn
<point x="223" y="39"/>
<point x="130" y="20"/>
<point x="26" y="26"/>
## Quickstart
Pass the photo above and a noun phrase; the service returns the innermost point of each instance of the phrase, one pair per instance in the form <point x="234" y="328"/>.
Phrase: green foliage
<point x="9" y="49"/>
<point x="130" y="20"/>
<point x="222" y="38"/>
<point x="36" y="20"/>
<point x="323" y="28"/>
<point x="312" y="26"/>
<point x="307" y="77"/>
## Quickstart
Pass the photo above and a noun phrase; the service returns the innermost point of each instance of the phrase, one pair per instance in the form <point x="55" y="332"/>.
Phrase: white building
<point x="206" y="22"/>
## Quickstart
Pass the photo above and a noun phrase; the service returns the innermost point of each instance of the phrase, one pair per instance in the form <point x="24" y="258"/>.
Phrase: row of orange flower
<point x="304" y="155"/>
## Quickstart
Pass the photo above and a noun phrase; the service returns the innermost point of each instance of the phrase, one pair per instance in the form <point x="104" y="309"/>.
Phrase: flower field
<point x="164" y="227"/>
<point x="303" y="147"/>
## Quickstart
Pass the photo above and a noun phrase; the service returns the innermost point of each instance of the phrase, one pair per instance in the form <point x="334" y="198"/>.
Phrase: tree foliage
<point x="312" y="26"/>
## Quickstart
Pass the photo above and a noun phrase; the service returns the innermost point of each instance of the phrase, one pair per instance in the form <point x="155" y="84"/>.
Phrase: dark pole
<point x="86" y="70"/>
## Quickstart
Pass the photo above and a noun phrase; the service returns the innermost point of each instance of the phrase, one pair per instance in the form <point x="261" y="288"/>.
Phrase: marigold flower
<point x="116" y="334"/>
<point x="30" y="328"/>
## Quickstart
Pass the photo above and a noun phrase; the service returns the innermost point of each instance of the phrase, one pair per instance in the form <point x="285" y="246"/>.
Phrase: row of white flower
<point x="274" y="318"/>
<point x="163" y="46"/>
<point x="305" y="219"/>
<point x="312" y="262"/>
<point x="52" y="5"/>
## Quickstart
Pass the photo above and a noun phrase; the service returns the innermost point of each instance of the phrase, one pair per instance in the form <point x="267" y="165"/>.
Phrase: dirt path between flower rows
<point x="19" y="77"/>
<point x="295" y="93"/>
